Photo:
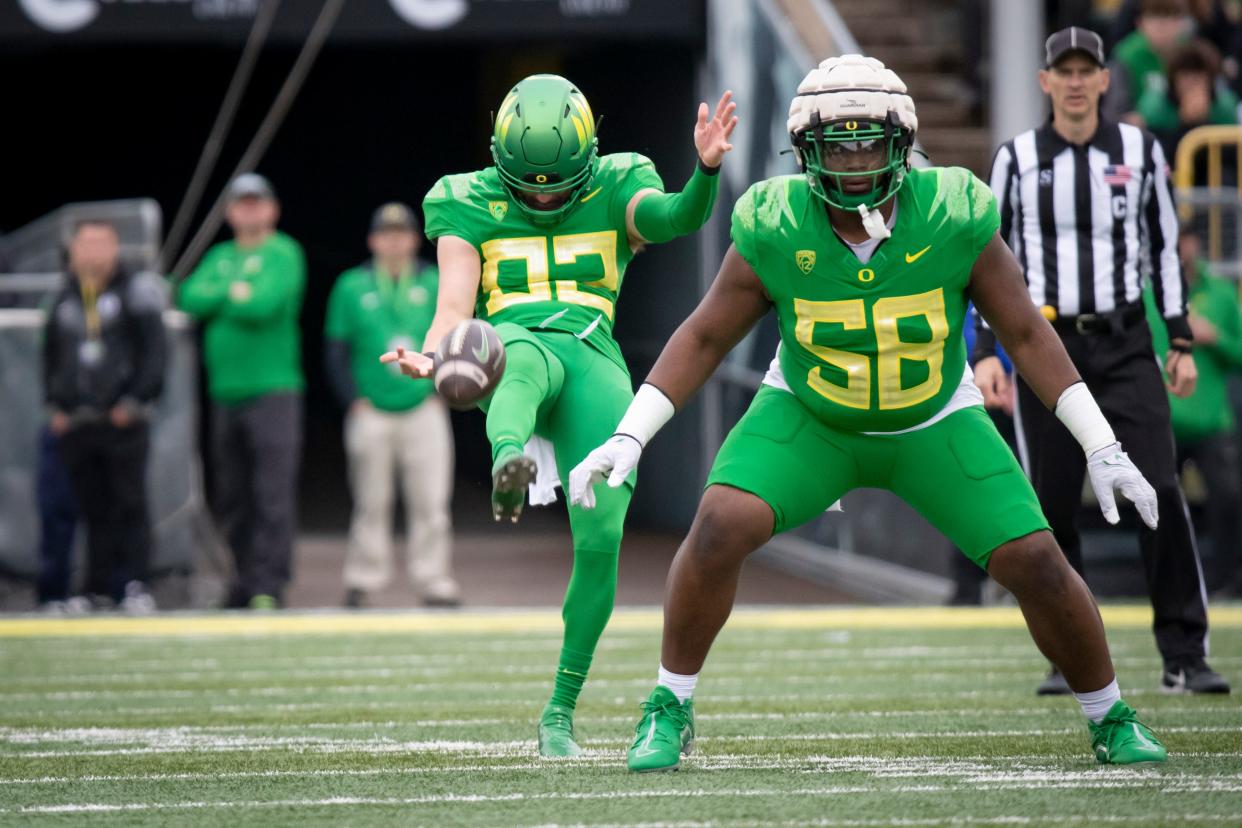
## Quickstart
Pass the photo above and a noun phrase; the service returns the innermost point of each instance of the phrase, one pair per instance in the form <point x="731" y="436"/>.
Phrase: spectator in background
<point x="103" y="361"/>
<point x="1192" y="97"/>
<point x="1203" y="423"/>
<point x="391" y="423"/>
<point x="248" y="294"/>
<point x="1218" y="21"/>
<point x="1138" y="63"/>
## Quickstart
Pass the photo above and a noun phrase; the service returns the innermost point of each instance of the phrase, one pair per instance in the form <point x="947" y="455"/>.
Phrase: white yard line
<point x="455" y="684"/>
<point x="427" y="666"/>
<point x="445" y="799"/>
<point x="32" y="735"/>
<point x="979" y="771"/>
<point x="1014" y="653"/>
<point x="536" y="697"/>
<point x="179" y="741"/>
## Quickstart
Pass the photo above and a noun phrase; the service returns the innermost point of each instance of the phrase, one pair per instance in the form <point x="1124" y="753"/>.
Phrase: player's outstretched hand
<point x="1111" y="472"/>
<point x="413" y="364"/>
<point x="615" y="460"/>
<point x="711" y="138"/>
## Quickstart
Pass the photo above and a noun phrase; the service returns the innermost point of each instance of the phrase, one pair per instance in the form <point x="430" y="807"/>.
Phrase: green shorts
<point x="958" y="473"/>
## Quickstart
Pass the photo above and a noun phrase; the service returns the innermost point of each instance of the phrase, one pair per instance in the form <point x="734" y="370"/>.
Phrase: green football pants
<point x="560" y="388"/>
<point x="958" y="473"/>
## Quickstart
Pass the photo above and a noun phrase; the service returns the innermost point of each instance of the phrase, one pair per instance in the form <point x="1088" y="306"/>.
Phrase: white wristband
<point x="1080" y="413"/>
<point x="646" y="415"/>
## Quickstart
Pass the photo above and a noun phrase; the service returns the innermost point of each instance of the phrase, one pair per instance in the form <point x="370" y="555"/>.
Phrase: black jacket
<point x="124" y="363"/>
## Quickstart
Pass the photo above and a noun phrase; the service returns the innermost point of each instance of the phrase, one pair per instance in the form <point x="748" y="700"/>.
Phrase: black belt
<point x="1096" y="324"/>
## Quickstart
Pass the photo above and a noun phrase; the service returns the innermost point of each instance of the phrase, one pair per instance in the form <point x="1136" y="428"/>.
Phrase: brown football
<point x="468" y="364"/>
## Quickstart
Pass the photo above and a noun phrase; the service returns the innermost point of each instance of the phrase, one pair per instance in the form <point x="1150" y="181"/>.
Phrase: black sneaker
<point x="1053" y="685"/>
<point x="1192" y="676"/>
<point x="355" y="598"/>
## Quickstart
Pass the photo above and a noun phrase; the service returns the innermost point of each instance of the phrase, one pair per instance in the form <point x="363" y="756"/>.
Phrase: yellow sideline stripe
<point x="532" y="621"/>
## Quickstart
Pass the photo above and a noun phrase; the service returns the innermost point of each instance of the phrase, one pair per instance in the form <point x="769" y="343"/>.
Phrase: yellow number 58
<point x="851" y="314"/>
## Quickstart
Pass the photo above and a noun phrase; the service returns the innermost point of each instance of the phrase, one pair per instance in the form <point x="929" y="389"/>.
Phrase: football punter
<point x="869" y="265"/>
<point x="537" y="244"/>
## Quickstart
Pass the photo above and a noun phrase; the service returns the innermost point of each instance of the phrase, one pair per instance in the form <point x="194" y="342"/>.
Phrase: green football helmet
<point x="543" y="144"/>
<point x="836" y="153"/>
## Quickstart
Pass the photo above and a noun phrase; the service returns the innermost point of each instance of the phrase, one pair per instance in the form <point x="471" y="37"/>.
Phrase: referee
<point x="1086" y="206"/>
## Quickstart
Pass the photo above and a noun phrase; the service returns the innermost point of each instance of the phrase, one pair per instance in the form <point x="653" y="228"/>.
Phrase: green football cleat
<point x="556" y="733"/>
<point x="1121" y="739"/>
<point x="512" y="473"/>
<point x="664" y="733"/>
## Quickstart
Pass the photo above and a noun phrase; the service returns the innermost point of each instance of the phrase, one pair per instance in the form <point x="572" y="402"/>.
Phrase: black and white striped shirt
<point x="1088" y="221"/>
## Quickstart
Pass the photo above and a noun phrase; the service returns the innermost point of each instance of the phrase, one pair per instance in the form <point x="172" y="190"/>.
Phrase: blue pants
<point x="58" y="514"/>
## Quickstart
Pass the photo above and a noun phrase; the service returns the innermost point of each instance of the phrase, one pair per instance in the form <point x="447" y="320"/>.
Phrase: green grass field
<point x="836" y="718"/>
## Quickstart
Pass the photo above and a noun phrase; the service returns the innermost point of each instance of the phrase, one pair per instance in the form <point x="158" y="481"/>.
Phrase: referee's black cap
<point x="393" y="216"/>
<point x="1073" y="39"/>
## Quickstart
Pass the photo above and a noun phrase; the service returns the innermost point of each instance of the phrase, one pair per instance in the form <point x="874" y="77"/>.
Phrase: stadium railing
<point x="1210" y="195"/>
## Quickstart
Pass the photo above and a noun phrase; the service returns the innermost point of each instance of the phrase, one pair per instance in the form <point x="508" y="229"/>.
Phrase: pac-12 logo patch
<point x="498" y="209"/>
<point x="805" y="260"/>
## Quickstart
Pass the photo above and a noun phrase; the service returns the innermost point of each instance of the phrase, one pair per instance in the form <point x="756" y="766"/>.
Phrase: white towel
<point x="543" y="488"/>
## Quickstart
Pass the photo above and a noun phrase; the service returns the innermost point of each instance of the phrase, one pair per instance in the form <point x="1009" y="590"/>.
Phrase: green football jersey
<point x="561" y="278"/>
<point x="875" y="346"/>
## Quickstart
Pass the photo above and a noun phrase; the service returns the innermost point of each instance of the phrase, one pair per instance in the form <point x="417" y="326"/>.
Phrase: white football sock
<point x="682" y="686"/>
<point x="1096" y="704"/>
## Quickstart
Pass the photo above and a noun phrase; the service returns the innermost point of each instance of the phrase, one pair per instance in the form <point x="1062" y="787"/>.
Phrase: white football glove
<point x="615" y="460"/>
<point x="1111" y="471"/>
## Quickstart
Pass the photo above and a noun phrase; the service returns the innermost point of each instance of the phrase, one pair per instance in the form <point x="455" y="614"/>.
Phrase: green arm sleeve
<point x="202" y="294"/>
<point x="278" y="286"/>
<point x="661" y="217"/>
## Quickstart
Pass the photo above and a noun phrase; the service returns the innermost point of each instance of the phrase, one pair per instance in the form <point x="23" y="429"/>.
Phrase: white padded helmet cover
<point x="851" y="86"/>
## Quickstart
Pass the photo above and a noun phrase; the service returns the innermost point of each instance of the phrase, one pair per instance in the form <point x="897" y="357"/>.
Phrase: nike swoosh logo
<point x="480" y="352"/>
<point x="590" y="195"/>
<point x="1143" y="740"/>
<point x="646" y="750"/>
<point x="912" y="259"/>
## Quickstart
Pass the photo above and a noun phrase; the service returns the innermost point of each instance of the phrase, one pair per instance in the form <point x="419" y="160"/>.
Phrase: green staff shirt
<point x="1207" y="412"/>
<point x="252" y="344"/>
<point x="374" y="313"/>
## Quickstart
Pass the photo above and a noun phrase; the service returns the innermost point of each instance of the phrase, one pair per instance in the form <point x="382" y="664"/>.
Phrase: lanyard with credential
<point x="90" y="308"/>
<point x="91" y="350"/>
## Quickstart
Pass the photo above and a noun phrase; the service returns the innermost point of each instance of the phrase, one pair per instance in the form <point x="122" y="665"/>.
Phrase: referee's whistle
<point x="1049" y="313"/>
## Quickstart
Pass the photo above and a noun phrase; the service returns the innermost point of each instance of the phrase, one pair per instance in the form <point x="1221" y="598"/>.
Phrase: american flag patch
<point x="1117" y="175"/>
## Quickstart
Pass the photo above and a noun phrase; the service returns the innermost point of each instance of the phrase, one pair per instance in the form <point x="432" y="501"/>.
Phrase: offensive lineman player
<point x="537" y="244"/>
<point x="869" y="266"/>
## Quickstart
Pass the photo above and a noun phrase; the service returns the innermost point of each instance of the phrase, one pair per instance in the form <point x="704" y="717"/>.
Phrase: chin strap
<point x="873" y="223"/>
